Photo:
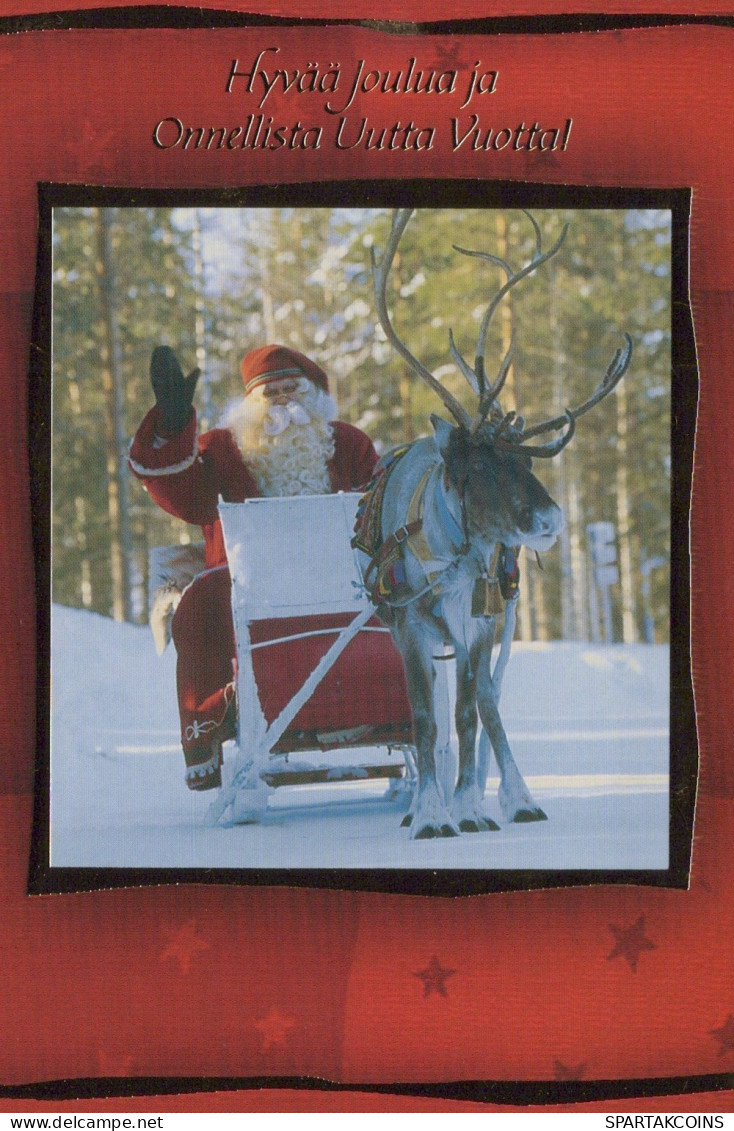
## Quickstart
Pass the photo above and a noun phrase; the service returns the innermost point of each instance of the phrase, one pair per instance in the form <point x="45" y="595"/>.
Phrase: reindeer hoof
<point x="428" y="832"/>
<point x="480" y="825"/>
<point x="524" y="816"/>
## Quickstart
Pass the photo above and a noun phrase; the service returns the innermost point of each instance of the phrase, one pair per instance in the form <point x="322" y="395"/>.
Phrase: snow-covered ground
<point x="588" y="726"/>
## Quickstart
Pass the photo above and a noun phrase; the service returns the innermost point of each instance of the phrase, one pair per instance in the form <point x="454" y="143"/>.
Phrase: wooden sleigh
<point x="316" y="671"/>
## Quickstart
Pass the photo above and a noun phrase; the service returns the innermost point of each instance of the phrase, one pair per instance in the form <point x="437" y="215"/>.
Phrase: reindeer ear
<point x="443" y="431"/>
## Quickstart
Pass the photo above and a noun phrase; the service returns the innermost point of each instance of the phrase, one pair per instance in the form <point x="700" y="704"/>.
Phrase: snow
<point x="588" y="725"/>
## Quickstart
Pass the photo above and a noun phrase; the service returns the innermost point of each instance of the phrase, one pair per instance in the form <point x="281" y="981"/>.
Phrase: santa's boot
<point x="203" y="749"/>
<point x="204" y="765"/>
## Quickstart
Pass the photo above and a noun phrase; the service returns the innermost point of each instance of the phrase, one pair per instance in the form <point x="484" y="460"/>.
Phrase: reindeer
<point x="448" y="505"/>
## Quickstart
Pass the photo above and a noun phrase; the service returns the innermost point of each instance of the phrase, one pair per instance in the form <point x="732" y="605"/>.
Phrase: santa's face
<point x="281" y="391"/>
<point x="282" y="430"/>
<point x="280" y="404"/>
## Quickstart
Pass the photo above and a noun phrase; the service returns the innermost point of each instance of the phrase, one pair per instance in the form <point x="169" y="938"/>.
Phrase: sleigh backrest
<point x="292" y="556"/>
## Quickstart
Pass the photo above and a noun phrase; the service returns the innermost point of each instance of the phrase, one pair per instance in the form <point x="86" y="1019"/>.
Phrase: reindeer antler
<point x="614" y="374"/>
<point x="476" y="377"/>
<point x="380" y="272"/>
<point x="488" y="393"/>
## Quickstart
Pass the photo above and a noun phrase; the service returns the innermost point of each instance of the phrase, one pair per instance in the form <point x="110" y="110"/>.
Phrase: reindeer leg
<point x="515" y="799"/>
<point x="446" y="749"/>
<point x="428" y="816"/>
<point x="466" y="804"/>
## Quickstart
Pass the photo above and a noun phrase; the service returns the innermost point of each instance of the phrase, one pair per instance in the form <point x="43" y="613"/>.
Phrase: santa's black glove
<point x="174" y="393"/>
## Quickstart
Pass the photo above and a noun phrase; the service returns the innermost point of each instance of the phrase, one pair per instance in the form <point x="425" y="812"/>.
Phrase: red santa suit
<point x="186" y="474"/>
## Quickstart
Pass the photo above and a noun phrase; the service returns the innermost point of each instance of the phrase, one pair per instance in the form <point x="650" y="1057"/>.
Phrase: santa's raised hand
<point x="174" y="393"/>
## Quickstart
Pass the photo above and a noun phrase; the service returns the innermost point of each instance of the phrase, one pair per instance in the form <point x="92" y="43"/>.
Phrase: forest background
<point x="216" y="282"/>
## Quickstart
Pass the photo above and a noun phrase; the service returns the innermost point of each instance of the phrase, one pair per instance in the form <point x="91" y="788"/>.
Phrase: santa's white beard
<point x="279" y="416"/>
<point x="286" y="457"/>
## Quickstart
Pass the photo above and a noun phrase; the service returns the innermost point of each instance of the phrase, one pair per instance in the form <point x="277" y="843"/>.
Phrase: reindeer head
<point x="500" y="498"/>
<point x="487" y="456"/>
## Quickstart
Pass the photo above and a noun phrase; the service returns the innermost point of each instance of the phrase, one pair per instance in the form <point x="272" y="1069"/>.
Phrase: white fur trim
<point x="174" y="469"/>
<point x="205" y="769"/>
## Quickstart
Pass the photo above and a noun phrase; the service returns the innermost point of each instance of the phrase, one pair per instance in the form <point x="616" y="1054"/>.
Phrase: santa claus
<point x="281" y="438"/>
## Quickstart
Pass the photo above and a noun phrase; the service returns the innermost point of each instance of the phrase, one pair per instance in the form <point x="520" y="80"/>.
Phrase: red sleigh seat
<point x="361" y="701"/>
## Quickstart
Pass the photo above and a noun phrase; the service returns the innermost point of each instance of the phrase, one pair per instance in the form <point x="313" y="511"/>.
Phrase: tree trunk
<point x="511" y="396"/>
<point x="574" y="623"/>
<point x="268" y="306"/>
<point x="207" y="414"/>
<point x="406" y="404"/>
<point x="536" y="584"/>
<point x="115" y="437"/>
<point x="406" y="378"/>
<point x="626" y="570"/>
<point x="579" y="576"/>
<point x="85" y="567"/>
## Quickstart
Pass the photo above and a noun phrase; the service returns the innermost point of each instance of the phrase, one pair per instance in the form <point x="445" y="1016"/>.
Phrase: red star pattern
<point x="101" y="143"/>
<point x="631" y="941"/>
<point x="568" y="1071"/>
<point x="725" y="1035"/>
<point x="274" y="1028"/>
<point x="184" y="946"/>
<point x="434" y="978"/>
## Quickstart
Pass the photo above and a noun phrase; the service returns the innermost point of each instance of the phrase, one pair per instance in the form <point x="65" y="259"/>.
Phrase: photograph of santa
<point x="210" y="356"/>
<point x="280" y="439"/>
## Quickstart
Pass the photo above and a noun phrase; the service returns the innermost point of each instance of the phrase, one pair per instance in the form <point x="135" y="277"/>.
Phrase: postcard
<point x="367" y="642"/>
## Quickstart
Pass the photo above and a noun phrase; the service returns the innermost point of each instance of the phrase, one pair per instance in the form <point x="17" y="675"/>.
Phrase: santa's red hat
<point x="274" y="363"/>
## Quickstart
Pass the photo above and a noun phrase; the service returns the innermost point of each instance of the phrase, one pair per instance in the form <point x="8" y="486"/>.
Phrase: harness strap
<point x="391" y="550"/>
<point x="489" y="591"/>
<point x="418" y="543"/>
<point x="451" y="524"/>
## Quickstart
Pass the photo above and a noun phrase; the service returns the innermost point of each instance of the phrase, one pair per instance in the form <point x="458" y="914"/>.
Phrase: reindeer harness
<point x="385" y="576"/>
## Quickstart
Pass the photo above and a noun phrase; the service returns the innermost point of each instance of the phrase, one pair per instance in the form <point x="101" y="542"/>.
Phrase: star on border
<point x="185" y="944"/>
<point x="434" y="978"/>
<point x="725" y="1035"/>
<point x="563" y="1071"/>
<point x="631" y="942"/>
<point x="274" y="1028"/>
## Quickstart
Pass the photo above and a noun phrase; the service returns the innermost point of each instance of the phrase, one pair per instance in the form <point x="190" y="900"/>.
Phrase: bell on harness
<point x="508" y="573"/>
